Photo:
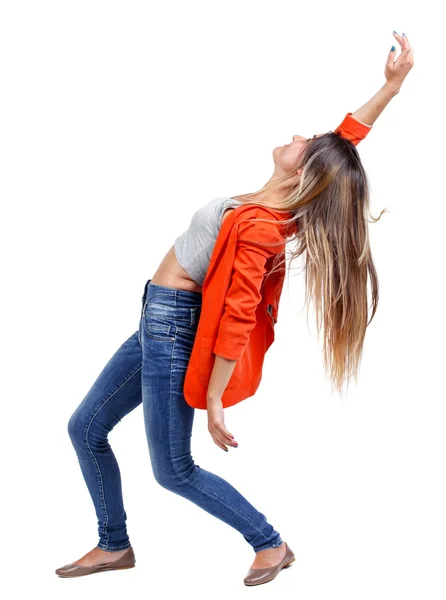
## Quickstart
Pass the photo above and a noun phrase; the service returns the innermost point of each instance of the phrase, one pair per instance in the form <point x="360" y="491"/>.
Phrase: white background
<point x="118" y="121"/>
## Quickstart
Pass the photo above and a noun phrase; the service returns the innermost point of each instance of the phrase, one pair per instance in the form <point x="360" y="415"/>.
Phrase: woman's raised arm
<point x="395" y="72"/>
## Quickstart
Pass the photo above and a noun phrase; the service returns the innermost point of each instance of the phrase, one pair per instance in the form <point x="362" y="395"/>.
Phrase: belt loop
<point x="145" y="290"/>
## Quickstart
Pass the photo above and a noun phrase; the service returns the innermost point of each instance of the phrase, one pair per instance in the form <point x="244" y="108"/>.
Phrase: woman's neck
<point x="270" y="197"/>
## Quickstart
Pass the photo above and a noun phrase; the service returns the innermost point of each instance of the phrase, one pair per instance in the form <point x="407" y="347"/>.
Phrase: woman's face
<point x="286" y="157"/>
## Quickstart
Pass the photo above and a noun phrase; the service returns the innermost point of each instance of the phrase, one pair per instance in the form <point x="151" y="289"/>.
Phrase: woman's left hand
<point x="216" y="424"/>
<point x="396" y="71"/>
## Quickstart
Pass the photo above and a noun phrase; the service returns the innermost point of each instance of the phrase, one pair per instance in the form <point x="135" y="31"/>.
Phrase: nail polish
<point x="395" y="31"/>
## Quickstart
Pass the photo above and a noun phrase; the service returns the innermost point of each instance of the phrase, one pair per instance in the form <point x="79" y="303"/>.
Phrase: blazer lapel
<point x="227" y="235"/>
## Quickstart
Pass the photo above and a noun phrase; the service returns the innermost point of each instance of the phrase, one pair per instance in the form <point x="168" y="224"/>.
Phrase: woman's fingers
<point x="222" y="429"/>
<point x="219" y="443"/>
<point x="404" y="42"/>
<point x="221" y="436"/>
<point x="397" y="70"/>
<point x="228" y="438"/>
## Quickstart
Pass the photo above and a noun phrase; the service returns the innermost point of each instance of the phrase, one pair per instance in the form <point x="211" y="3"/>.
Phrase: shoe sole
<point x="96" y="571"/>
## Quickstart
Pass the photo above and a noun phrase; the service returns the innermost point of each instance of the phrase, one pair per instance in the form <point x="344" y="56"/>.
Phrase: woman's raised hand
<point x="396" y="70"/>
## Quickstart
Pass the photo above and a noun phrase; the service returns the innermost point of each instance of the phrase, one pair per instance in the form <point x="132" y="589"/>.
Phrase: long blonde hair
<point x="330" y="208"/>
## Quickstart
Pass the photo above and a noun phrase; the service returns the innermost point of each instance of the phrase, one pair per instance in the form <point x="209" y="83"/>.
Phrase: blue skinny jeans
<point x="150" y="367"/>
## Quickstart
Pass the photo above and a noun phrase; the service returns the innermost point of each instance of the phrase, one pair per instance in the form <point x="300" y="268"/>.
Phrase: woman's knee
<point x="76" y="428"/>
<point x="168" y="476"/>
<point x="170" y="481"/>
<point x="86" y="430"/>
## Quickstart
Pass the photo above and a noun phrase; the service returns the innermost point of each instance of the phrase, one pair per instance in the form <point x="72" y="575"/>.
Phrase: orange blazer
<point x="239" y="306"/>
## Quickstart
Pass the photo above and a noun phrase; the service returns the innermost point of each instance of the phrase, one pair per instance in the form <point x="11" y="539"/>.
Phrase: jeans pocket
<point x="175" y="314"/>
<point x="160" y="332"/>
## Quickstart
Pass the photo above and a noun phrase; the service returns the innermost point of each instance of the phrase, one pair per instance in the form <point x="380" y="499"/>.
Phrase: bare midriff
<point x="171" y="274"/>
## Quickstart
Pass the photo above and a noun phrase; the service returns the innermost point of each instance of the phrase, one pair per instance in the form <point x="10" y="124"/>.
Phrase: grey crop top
<point x="193" y="248"/>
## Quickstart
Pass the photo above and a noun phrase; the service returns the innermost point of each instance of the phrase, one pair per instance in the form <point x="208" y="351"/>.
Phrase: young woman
<point x="320" y="186"/>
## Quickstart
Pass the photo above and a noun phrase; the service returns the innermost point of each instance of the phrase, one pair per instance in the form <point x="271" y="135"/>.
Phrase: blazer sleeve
<point x="353" y="130"/>
<point x="243" y="294"/>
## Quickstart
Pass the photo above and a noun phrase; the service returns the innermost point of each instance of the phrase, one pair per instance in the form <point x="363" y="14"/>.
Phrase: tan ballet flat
<point x="127" y="561"/>
<point x="257" y="576"/>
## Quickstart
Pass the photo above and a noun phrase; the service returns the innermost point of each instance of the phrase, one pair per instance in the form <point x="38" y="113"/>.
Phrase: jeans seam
<point x="98" y="470"/>
<point x="215" y="497"/>
<point x="275" y="544"/>
<point x="227" y="506"/>
<point x="113" y="548"/>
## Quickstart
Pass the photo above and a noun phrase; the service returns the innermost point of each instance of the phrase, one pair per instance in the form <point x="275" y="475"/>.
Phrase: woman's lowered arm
<point x="239" y="317"/>
<point x="221" y="374"/>
<point x="395" y="72"/>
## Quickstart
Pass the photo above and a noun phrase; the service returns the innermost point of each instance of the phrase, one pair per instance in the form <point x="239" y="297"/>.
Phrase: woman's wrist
<point x="392" y="87"/>
<point x="212" y="399"/>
